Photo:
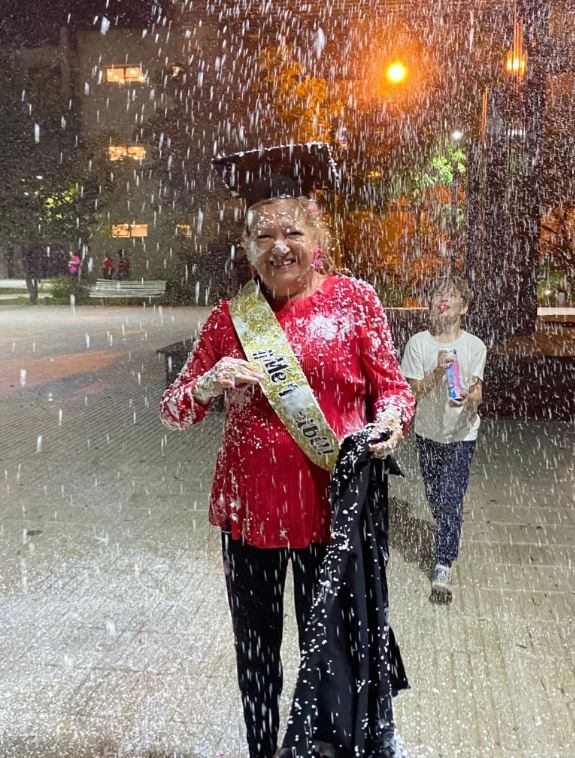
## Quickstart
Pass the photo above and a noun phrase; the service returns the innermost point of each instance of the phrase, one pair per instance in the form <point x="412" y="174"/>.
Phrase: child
<point x="446" y="428"/>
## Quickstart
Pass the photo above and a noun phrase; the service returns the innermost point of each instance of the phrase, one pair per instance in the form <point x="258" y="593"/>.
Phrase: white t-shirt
<point x="435" y="419"/>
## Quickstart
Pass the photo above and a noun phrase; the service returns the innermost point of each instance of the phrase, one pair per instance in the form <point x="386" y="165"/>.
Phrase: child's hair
<point x="452" y="281"/>
<point x="313" y="217"/>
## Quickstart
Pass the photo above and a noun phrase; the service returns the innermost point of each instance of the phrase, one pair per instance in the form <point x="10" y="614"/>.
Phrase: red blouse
<point x="265" y="489"/>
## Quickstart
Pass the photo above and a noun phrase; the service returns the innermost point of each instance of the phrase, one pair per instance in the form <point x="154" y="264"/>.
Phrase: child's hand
<point x="444" y="359"/>
<point x="459" y="402"/>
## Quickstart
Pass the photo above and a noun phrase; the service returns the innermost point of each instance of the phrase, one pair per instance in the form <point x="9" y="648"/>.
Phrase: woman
<point x="74" y="263"/>
<point x="269" y="497"/>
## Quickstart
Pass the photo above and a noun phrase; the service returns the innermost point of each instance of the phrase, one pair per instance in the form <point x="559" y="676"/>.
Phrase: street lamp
<point x="396" y="72"/>
<point x="516" y="61"/>
<point x="456" y="136"/>
<point x="515" y="65"/>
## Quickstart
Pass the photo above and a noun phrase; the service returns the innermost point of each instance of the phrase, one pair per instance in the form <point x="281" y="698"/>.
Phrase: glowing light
<point x="516" y="60"/>
<point x="515" y="64"/>
<point x="396" y="72"/>
<point x="129" y="230"/>
<point x="120" y="152"/>
<point x="456" y="135"/>
<point x="123" y="74"/>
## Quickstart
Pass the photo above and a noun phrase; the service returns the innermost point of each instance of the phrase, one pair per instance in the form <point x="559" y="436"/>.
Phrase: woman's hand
<point x="388" y="423"/>
<point x="383" y="449"/>
<point x="226" y="374"/>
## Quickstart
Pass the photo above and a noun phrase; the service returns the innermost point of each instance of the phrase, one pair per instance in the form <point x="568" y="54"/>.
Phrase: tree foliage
<point x="50" y="192"/>
<point x="303" y="103"/>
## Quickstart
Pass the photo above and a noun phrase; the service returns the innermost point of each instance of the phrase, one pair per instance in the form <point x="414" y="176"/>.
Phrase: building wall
<point x="111" y="114"/>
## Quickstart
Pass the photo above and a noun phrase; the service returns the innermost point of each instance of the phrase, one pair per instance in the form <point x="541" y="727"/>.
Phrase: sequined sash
<point x="285" y="385"/>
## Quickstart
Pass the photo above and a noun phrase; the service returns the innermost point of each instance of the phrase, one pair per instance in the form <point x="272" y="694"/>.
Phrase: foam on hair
<point x="313" y="216"/>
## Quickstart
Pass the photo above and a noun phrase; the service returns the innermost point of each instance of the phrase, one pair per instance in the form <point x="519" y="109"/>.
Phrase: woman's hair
<point x="313" y="217"/>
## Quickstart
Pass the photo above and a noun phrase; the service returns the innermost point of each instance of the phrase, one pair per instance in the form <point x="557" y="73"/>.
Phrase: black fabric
<point x="255" y="580"/>
<point x="351" y="665"/>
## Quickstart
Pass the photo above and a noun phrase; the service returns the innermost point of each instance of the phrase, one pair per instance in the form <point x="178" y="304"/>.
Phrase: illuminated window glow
<point x="138" y="230"/>
<point x="183" y="230"/>
<point x="120" y="230"/>
<point x="124" y="74"/>
<point x="121" y="152"/>
<point x="129" y="230"/>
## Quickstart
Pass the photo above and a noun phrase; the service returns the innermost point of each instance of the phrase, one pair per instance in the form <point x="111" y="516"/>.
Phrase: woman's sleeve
<point x="179" y="408"/>
<point x="388" y="389"/>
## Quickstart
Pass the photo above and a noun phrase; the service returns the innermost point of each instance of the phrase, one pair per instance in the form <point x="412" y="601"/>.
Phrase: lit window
<point x="183" y="230"/>
<point x="120" y="230"/>
<point x="137" y="152"/>
<point x="116" y="152"/>
<point x="122" y="74"/>
<point x="138" y="230"/>
<point x="115" y="75"/>
<point x="120" y="152"/>
<point x="129" y="230"/>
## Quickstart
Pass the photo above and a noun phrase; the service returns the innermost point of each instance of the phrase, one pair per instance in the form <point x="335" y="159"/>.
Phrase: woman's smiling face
<point x="281" y="245"/>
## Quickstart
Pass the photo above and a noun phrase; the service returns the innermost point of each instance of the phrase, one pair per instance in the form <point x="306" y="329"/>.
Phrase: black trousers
<point x="255" y="579"/>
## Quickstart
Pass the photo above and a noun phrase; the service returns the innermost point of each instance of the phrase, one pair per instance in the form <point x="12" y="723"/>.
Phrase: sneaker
<point x="391" y="746"/>
<point x="441" y="584"/>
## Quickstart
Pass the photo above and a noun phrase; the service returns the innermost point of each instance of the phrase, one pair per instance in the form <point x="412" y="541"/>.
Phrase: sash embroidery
<point x="285" y="385"/>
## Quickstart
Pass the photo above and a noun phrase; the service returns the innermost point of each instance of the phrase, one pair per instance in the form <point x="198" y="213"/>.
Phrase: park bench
<point x="111" y="288"/>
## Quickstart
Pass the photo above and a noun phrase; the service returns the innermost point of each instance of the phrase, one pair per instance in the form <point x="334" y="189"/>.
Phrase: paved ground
<point x="115" y="638"/>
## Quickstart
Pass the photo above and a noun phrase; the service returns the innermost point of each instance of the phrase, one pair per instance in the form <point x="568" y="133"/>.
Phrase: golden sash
<point x="285" y="385"/>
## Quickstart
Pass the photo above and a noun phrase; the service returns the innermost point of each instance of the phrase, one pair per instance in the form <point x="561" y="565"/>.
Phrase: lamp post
<point x="456" y="136"/>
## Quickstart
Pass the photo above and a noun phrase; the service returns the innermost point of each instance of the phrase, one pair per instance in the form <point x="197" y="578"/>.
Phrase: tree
<point x="302" y="103"/>
<point x="51" y="191"/>
<point x="405" y="245"/>
<point x="558" y="247"/>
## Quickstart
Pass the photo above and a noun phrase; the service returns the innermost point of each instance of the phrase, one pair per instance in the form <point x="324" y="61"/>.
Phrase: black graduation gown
<point x="351" y="665"/>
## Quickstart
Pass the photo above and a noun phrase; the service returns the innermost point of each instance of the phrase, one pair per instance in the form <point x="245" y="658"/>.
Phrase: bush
<point x="65" y="286"/>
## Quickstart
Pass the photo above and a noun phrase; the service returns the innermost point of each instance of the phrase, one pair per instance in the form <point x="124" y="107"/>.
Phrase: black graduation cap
<point x="283" y="170"/>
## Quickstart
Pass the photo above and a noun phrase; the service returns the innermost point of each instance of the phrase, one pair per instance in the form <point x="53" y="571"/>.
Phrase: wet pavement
<point x="115" y="637"/>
